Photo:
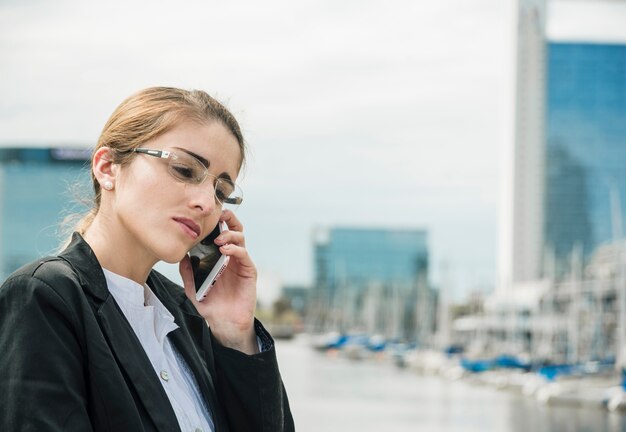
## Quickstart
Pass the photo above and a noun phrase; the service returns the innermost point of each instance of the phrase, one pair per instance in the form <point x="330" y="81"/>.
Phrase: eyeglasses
<point x="187" y="169"/>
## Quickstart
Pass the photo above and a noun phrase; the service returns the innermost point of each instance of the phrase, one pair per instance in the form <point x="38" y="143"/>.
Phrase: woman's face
<point x="161" y="216"/>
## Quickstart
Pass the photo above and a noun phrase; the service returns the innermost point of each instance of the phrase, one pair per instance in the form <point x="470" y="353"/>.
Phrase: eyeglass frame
<point x="165" y="154"/>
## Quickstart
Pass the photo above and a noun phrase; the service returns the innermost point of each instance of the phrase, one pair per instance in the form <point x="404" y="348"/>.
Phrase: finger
<point x="231" y="220"/>
<point x="231" y="237"/>
<point x="240" y="254"/>
<point x="186" y="273"/>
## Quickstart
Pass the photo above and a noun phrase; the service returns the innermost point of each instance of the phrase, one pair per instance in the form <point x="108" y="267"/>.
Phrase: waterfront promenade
<point x="333" y="393"/>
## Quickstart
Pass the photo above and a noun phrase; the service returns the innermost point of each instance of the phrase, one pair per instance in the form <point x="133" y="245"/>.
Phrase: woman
<point x="95" y="339"/>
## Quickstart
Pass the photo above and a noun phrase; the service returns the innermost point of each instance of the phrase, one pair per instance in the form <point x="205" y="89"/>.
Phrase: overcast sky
<point x="357" y="113"/>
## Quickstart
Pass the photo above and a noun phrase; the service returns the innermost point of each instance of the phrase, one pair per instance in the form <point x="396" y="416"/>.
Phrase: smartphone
<point x="207" y="262"/>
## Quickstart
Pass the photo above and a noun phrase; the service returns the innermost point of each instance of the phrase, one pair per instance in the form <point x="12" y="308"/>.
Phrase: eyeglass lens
<point x="188" y="169"/>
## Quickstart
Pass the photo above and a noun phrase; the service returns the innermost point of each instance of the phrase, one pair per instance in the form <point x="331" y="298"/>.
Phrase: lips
<point x="192" y="228"/>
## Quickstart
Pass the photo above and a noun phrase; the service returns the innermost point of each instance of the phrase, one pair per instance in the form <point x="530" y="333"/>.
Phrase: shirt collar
<point x="127" y="292"/>
<point x="132" y="296"/>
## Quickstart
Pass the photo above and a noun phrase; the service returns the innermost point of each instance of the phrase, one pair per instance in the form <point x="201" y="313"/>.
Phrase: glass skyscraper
<point x="37" y="187"/>
<point x="358" y="256"/>
<point x="373" y="279"/>
<point x="585" y="146"/>
<point x="521" y="217"/>
<point x="563" y="170"/>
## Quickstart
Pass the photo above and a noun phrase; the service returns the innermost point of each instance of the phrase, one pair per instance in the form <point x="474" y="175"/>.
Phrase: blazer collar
<point x="83" y="260"/>
<point x="89" y="271"/>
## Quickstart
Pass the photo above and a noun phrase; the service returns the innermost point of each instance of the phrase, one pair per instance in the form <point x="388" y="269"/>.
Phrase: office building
<point x="358" y="256"/>
<point x="37" y="187"/>
<point x="564" y="181"/>
<point x="521" y="211"/>
<point x="368" y="277"/>
<point x="585" y="148"/>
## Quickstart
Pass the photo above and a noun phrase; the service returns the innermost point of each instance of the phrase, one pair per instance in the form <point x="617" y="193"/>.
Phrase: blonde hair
<point x="147" y="114"/>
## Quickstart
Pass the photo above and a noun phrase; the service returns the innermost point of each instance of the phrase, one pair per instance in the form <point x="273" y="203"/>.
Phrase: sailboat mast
<point x="616" y="219"/>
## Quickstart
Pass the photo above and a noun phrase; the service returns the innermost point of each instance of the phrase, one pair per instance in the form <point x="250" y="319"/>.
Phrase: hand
<point x="229" y="306"/>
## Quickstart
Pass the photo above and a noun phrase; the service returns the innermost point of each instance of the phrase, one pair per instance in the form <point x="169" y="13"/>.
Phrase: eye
<point x="223" y="190"/>
<point x="184" y="172"/>
<point x="220" y="195"/>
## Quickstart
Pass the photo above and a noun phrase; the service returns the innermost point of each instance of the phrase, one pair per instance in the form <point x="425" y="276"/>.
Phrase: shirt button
<point x="164" y="375"/>
<point x="198" y="430"/>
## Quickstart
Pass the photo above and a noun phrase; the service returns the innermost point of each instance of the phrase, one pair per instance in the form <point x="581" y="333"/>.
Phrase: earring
<point x="108" y="185"/>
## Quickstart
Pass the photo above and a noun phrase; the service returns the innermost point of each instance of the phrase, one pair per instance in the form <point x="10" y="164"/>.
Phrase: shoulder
<point x="47" y="270"/>
<point x="49" y="276"/>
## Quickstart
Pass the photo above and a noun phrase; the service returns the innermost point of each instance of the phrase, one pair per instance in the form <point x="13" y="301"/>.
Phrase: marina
<point x="331" y="391"/>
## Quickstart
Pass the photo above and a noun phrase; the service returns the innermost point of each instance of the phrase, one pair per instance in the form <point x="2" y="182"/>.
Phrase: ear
<point x="104" y="169"/>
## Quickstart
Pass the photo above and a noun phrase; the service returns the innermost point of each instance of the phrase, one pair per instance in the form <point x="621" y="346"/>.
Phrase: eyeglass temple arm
<point x="158" y="153"/>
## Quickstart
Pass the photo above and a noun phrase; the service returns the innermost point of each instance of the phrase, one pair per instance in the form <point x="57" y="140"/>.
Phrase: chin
<point x="173" y="256"/>
<point x="173" y="260"/>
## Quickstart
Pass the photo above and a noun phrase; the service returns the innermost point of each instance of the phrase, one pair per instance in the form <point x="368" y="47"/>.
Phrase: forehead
<point x="210" y="140"/>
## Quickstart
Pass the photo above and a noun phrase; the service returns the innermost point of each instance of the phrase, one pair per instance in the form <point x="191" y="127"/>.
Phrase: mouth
<point x="190" y="227"/>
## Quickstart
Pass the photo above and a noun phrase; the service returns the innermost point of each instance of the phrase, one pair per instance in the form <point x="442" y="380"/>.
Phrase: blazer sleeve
<point x="41" y="361"/>
<point x="251" y="389"/>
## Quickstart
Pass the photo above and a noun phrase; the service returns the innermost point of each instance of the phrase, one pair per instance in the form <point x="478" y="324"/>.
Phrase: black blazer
<point x="70" y="361"/>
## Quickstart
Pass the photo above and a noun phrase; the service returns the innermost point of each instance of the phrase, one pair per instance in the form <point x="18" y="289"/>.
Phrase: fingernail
<point x="219" y="239"/>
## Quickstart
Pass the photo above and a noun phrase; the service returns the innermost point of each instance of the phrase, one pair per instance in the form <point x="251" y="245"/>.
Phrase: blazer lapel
<point x="120" y="335"/>
<point x="133" y="359"/>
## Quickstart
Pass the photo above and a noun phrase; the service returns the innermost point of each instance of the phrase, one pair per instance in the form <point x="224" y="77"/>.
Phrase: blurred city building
<point x="521" y="209"/>
<point x="372" y="280"/>
<point x="36" y="187"/>
<point x="568" y="151"/>
<point x="297" y="297"/>
<point x="585" y="149"/>
<point x="561" y="284"/>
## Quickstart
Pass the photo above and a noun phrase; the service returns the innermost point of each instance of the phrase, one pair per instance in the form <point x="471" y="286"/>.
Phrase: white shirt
<point x="151" y="322"/>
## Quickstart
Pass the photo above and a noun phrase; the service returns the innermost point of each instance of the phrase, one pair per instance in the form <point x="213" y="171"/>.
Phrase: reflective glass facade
<point x="586" y="145"/>
<point x="360" y="256"/>
<point x="35" y="195"/>
<point x="373" y="280"/>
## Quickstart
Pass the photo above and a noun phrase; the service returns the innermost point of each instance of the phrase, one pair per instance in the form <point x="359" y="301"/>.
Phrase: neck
<point x="117" y="251"/>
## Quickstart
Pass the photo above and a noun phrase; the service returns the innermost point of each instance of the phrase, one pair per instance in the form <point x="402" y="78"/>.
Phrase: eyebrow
<point x="202" y="160"/>
<point x="206" y="163"/>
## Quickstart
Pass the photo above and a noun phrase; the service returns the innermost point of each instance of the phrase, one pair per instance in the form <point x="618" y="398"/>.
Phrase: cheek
<point x="141" y="192"/>
<point x="142" y="180"/>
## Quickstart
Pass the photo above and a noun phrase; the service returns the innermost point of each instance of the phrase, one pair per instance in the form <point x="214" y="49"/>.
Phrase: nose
<point x="203" y="198"/>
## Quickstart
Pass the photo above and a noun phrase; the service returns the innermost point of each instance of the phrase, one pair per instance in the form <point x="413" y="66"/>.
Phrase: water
<point x="336" y="394"/>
